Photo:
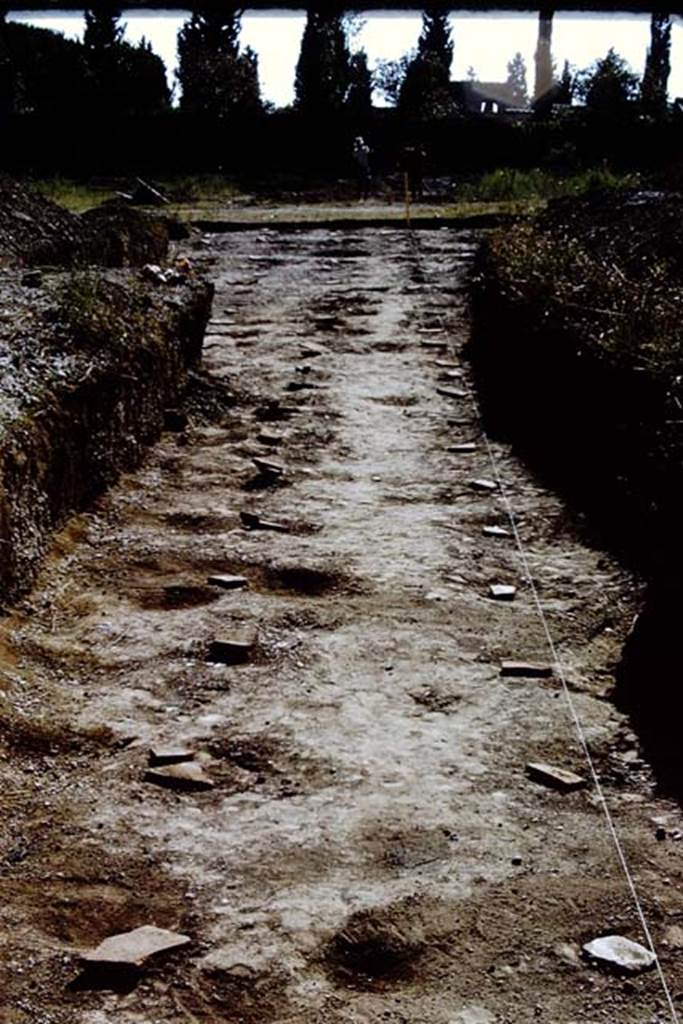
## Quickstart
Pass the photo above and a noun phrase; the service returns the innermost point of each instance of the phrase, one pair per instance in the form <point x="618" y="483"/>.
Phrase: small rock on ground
<point x="556" y="778"/>
<point x="188" y="775"/>
<point x="131" y="949"/>
<point x="620" y="954"/>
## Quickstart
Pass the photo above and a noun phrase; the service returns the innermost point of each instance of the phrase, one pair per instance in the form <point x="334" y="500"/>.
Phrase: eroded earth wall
<point x="81" y="394"/>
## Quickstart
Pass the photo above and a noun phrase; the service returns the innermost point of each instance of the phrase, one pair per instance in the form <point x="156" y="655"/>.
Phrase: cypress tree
<point x="215" y="75"/>
<point x="654" y="86"/>
<point x="359" y="97"/>
<point x="102" y="41"/>
<point x="103" y="30"/>
<point x="323" y="69"/>
<point x="426" y="89"/>
<point x="435" y="42"/>
<point x="516" y="81"/>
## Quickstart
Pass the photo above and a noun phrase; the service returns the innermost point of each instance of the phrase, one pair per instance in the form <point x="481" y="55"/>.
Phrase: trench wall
<point x="75" y="441"/>
<point x="608" y="437"/>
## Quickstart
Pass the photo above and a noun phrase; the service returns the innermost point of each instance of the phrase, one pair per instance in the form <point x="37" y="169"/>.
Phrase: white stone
<point x="620" y="953"/>
<point x="557" y="778"/>
<point x="495" y="531"/>
<point x="187" y="775"/>
<point x="131" y="949"/>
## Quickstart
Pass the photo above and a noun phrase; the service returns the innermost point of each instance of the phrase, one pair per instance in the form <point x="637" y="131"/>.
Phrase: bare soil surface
<point x="372" y="849"/>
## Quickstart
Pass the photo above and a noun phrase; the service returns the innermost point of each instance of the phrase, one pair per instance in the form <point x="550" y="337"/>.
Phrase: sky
<point x="484" y="41"/>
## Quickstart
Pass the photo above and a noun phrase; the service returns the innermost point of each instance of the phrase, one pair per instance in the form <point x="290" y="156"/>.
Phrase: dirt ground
<point x="372" y="850"/>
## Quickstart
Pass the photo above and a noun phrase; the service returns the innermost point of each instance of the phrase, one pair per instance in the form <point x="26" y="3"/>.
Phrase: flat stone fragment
<point x="496" y="531"/>
<point x="450" y="375"/>
<point x="309" y="352"/>
<point x="502" y="592"/>
<point x="447" y="364"/>
<point x="170" y="755"/>
<point x="433" y="343"/>
<point x="526" y="668"/>
<point x="228" y="582"/>
<point x="468" y="446"/>
<point x="556" y="778"/>
<point x="131" y="949"/>
<point x="483" y="485"/>
<point x="621" y="954"/>
<point x="302" y="385"/>
<point x="188" y="775"/>
<point x="251" y="521"/>
<point x="451" y="392"/>
<point x="230" y="652"/>
<point x="270" y="439"/>
<point x="268" y="468"/>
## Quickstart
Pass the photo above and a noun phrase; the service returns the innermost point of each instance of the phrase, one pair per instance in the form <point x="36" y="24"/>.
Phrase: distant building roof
<point x="491" y="97"/>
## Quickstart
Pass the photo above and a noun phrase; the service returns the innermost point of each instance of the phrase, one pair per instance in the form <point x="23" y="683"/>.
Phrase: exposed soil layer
<point x="577" y="319"/>
<point x="372" y="848"/>
<point x="37" y="232"/>
<point x="88" y="365"/>
<point x="578" y="350"/>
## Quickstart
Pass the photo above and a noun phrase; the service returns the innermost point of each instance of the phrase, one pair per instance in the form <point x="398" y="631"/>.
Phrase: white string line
<point x="578" y="725"/>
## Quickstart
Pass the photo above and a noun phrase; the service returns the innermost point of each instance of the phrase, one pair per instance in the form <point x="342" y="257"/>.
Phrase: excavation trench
<point x="371" y="847"/>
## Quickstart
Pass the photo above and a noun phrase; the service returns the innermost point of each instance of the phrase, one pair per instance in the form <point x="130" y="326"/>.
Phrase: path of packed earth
<point x="372" y="849"/>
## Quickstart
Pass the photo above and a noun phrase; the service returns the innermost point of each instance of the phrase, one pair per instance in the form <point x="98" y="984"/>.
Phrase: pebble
<point x="131" y="949"/>
<point x="557" y="778"/>
<point x="187" y="776"/>
<point x="228" y="582"/>
<point x="502" y="592"/>
<point x="251" y="521"/>
<point x="469" y="446"/>
<point x="170" y="755"/>
<point x="674" y="936"/>
<point x="270" y="439"/>
<point x="451" y="392"/>
<point x="230" y="652"/>
<point x="526" y="668"/>
<point x="483" y="485"/>
<point x="495" y="531"/>
<point x="620" y="954"/>
<point x="268" y="468"/>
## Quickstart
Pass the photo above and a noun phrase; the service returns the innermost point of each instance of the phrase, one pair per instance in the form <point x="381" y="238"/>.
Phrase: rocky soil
<point x="37" y="232"/>
<point x="89" y="362"/>
<point x="371" y="847"/>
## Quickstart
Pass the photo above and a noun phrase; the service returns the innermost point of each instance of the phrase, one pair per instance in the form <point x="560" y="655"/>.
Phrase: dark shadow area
<point x="600" y="421"/>
<point x="650" y="684"/>
<point x="122" y="980"/>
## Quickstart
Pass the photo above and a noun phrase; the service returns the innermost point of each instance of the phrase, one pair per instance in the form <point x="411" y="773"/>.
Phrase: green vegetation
<point x="579" y="355"/>
<point x="504" y="190"/>
<point x="510" y="184"/>
<point x="75" y="196"/>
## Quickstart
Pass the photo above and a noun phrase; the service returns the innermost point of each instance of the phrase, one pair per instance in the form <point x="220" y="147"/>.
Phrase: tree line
<point x="41" y="71"/>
